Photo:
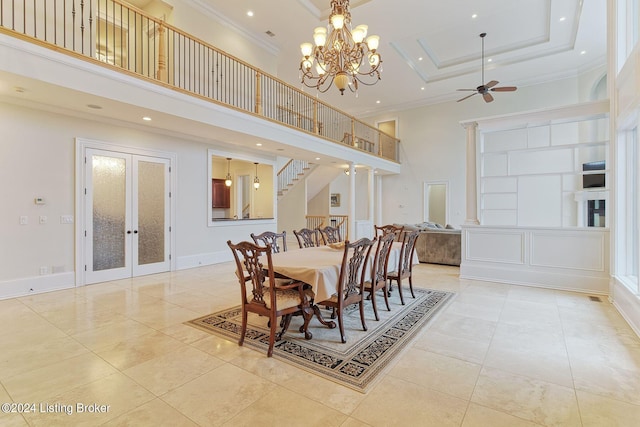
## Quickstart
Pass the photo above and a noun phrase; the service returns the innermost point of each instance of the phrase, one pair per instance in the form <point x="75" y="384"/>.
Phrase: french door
<point x="127" y="215"/>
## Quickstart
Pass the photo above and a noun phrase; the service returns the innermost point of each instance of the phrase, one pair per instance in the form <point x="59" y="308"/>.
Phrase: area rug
<point x="355" y="364"/>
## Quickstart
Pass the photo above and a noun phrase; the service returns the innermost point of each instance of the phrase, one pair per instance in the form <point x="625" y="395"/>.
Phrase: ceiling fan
<point x="484" y="89"/>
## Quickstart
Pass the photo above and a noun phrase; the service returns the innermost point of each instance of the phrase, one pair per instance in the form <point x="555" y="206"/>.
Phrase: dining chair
<point x="307" y="238"/>
<point x="381" y="230"/>
<point x="261" y="294"/>
<point x="350" y="289"/>
<point x="271" y="238"/>
<point x="405" y="263"/>
<point x="330" y="234"/>
<point x="379" y="272"/>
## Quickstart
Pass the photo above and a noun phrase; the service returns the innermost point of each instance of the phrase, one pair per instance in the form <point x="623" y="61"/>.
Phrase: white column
<point x="352" y="202"/>
<point x="378" y="215"/>
<point x="472" y="184"/>
<point x="372" y="194"/>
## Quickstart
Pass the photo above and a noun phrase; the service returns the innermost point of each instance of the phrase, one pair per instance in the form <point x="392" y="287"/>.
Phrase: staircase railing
<point x="290" y="173"/>
<point x="129" y="40"/>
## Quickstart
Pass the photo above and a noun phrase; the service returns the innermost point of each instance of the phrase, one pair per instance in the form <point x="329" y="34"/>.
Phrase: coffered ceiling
<point x="430" y="48"/>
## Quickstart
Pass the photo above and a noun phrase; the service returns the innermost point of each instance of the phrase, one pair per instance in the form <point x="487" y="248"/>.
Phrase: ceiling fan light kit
<point x="485" y="89"/>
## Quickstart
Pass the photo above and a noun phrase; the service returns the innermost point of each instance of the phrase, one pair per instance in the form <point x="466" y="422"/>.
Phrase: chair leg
<point x="361" y="304"/>
<point x="341" y="326"/>
<point x="372" y="295"/>
<point x="243" y="332"/>
<point x="285" y="322"/>
<point x="386" y="297"/>
<point x="272" y="335"/>
<point x="411" y="286"/>
<point x="400" y="290"/>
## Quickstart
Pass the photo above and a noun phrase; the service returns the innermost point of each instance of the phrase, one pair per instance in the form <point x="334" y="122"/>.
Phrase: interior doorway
<point x="125" y="219"/>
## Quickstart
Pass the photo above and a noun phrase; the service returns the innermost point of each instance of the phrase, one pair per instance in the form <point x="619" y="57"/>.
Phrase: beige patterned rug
<point x="355" y="364"/>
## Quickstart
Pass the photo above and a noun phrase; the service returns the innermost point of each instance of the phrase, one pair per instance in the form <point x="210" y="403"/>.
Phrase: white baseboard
<point x="192" y="261"/>
<point x="541" y="279"/>
<point x="627" y="303"/>
<point x="36" y="285"/>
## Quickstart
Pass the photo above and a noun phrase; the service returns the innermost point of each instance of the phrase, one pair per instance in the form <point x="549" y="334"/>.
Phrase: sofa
<point x="437" y="244"/>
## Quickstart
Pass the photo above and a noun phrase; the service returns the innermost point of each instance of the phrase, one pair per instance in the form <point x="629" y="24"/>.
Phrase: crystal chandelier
<point x="344" y="56"/>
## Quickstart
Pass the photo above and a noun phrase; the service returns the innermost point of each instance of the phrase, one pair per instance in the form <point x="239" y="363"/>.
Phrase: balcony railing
<point x="127" y="39"/>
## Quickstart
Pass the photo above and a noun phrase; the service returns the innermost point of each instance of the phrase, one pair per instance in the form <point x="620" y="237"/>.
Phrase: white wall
<point x="37" y="156"/>
<point x="433" y="142"/>
<point x="201" y="22"/>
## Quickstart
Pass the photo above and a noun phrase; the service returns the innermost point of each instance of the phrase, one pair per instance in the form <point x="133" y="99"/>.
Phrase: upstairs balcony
<point x="128" y="40"/>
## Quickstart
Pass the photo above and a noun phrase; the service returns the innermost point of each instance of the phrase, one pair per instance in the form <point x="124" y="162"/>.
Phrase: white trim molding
<point x="627" y="303"/>
<point x="572" y="259"/>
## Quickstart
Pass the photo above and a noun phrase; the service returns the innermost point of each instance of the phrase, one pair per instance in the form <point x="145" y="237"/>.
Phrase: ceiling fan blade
<point x="468" y="96"/>
<point x="492" y="83"/>
<point x="487" y="97"/>
<point x="504" y="89"/>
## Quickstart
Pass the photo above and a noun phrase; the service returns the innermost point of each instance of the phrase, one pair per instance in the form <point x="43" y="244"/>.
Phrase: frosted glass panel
<point x="151" y="218"/>
<point x="109" y="203"/>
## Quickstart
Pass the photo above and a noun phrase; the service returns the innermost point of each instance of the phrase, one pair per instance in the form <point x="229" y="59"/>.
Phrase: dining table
<point x="319" y="267"/>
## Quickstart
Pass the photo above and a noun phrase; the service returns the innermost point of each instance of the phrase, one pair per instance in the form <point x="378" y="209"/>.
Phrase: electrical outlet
<point x="66" y="219"/>
<point x="44" y="270"/>
<point x="24" y="220"/>
<point x="43" y="219"/>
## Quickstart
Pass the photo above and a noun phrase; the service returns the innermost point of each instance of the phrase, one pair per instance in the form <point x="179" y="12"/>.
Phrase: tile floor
<point x="497" y="355"/>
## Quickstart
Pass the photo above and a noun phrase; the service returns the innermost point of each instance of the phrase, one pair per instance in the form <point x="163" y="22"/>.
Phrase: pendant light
<point x="228" y="181"/>
<point x="256" y="180"/>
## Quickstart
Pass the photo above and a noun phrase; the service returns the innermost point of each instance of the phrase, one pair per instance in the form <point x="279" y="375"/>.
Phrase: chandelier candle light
<point x="344" y="56"/>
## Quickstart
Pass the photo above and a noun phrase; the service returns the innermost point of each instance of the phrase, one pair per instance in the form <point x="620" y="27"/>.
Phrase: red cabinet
<point x="220" y="194"/>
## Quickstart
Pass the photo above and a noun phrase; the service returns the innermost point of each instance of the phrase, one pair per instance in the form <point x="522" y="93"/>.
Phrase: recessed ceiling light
<point x="146" y="119"/>
<point x="583" y="52"/>
<point x="422" y="88"/>
<point x="562" y="19"/>
<point x="489" y="60"/>
<point x="94" y="106"/>
<point x="250" y="13"/>
<point x="420" y="59"/>
<point x="378" y="101"/>
<point x="19" y="89"/>
<point x="474" y="16"/>
<point x="259" y="144"/>
<point x="317" y="158"/>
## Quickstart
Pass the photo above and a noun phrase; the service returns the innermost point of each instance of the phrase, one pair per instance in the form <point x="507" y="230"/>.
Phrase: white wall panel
<point x="497" y="246"/>
<point x="500" y="217"/>
<point x="505" y="140"/>
<point x="583" y="251"/>
<point x="500" y="201"/>
<point x="538" y="162"/>
<point x="565" y="133"/>
<point x="557" y="258"/>
<point x="539" y="136"/>
<point x="500" y="185"/>
<point x="494" y="165"/>
<point x="539" y="201"/>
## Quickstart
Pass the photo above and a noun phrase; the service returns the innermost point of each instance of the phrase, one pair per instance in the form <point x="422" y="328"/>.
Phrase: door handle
<point x="135" y="231"/>
<point x="128" y="231"/>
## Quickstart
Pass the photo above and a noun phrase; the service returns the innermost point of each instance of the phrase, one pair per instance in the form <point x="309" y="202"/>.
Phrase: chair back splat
<point x="307" y="238"/>
<point x="330" y="234"/>
<point x="278" y="241"/>
<point x="382" y="230"/>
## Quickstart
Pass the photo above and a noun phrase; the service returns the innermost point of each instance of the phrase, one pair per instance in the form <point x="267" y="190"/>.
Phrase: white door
<point x="127" y="215"/>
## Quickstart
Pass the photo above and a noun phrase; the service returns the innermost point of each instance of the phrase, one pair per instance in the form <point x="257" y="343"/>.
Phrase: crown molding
<point x="223" y="20"/>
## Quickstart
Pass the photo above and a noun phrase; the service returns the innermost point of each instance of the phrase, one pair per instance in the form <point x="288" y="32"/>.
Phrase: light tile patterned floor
<point x="497" y="355"/>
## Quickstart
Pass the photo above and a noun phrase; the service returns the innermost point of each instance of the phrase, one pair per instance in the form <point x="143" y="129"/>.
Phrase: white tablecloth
<point x="320" y="266"/>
